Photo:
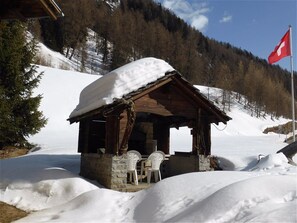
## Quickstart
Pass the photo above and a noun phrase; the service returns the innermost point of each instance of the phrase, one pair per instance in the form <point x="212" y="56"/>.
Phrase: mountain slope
<point x="154" y="31"/>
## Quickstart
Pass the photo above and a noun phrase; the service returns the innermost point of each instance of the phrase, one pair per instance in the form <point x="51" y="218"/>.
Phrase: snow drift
<point x="47" y="182"/>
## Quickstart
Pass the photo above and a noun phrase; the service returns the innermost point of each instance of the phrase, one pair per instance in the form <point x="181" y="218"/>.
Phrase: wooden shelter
<point x="141" y="120"/>
<point x="26" y="9"/>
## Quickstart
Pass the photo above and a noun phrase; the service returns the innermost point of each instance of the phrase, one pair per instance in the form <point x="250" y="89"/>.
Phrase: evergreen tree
<point x="19" y="115"/>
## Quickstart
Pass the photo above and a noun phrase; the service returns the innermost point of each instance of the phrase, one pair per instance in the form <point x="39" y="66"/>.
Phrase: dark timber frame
<point x="27" y="9"/>
<point x="146" y="115"/>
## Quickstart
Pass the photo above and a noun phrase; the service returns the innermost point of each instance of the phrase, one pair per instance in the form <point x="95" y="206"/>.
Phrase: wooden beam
<point x="131" y="116"/>
<point x="46" y="7"/>
<point x="171" y="103"/>
<point x="112" y="134"/>
<point x="83" y="136"/>
<point x="196" y="133"/>
<point x="206" y="104"/>
<point x="154" y="87"/>
<point x="207" y="135"/>
<point x="26" y="9"/>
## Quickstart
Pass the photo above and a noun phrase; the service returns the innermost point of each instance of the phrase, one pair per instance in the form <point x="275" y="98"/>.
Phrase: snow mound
<point x="34" y="182"/>
<point x="252" y="199"/>
<point x="195" y="197"/>
<point x="270" y="161"/>
<point x="119" y="82"/>
<point x="47" y="180"/>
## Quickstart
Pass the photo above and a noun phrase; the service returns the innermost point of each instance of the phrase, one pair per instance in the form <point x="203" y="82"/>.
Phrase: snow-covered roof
<point x="120" y="82"/>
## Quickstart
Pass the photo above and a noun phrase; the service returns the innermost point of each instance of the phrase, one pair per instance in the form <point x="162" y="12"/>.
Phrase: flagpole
<point x="292" y="85"/>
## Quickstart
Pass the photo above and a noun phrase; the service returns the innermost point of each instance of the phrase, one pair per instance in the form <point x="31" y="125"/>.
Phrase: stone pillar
<point x="204" y="163"/>
<point x="109" y="170"/>
<point x="119" y="173"/>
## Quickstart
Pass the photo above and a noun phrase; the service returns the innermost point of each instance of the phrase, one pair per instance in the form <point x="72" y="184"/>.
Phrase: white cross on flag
<point x="282" y="49"/>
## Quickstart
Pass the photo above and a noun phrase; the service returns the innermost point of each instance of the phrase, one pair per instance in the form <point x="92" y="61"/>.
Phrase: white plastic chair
<point x="133" y="157"/>
<point x="156" y="158"/>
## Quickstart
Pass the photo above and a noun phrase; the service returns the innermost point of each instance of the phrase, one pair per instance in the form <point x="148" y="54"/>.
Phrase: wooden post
<point x="196" y="131"/>
<point x="83" y="136"/>
<point x="195" y="141"/>
<point x="131" y="116"/>
<point x="207" y="138"/>
<point x="112" y="134"/>
<point x="162" y="134"/>
<point x="203" y="136"/>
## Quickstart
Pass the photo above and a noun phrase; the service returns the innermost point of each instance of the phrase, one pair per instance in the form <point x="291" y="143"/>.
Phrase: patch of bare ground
<point x="10" y="213"/>
<point x="12" y="151"/>
<point x="282" y="129"/>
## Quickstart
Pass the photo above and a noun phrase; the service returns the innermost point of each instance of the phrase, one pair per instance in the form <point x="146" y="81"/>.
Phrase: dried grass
<point x="10" y="213"/>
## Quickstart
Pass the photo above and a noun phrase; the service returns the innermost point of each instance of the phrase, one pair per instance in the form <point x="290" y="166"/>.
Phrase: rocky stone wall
<point x="204" y="163"/>
<point x="109" y="170"/>
<point x="186" y="163"/>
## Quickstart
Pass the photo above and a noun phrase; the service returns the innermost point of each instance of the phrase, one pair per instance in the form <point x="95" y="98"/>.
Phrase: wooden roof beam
<point x="203" y="101"/>
<point x="50" y="7"/>
<point x="25" y="9"/>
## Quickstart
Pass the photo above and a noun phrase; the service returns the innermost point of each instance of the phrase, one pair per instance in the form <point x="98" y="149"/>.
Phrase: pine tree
<point x="19" y="115"/>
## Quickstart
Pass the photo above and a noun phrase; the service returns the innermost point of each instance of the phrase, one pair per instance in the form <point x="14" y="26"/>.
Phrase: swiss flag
<point x="283" y="49"/>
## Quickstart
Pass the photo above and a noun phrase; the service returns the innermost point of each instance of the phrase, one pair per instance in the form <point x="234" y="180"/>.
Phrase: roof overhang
<point x="206" y="104"/>
<point x="27" y="9"/>
<point x="173" y="76"/>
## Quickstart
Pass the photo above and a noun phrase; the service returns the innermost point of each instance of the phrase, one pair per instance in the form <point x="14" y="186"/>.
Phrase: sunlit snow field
<point x="46" y="181"/>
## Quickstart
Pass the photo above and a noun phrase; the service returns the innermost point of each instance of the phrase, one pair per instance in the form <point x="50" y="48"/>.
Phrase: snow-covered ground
<point x="93" y="63"/>
<point x="46" y="181"/>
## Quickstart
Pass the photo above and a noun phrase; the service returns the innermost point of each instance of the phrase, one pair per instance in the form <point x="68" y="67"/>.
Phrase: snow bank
<point x="252" y="199"/>
<point x="37" y="181"/>
<point x="119" y="82"/>
<point x="47" y="180"/>
<point x="194" y="197"/>
<point x="272" y="161"/>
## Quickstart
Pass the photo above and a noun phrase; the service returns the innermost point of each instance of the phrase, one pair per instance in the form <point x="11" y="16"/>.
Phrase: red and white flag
<point x="283" y="49"/>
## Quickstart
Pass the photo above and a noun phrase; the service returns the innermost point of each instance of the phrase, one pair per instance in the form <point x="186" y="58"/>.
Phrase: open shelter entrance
<point x="180" y="140"/>
<point x="141" y="120"/>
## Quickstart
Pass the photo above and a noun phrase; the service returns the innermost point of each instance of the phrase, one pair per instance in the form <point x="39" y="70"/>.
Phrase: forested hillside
<point x="131" y="29"/>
